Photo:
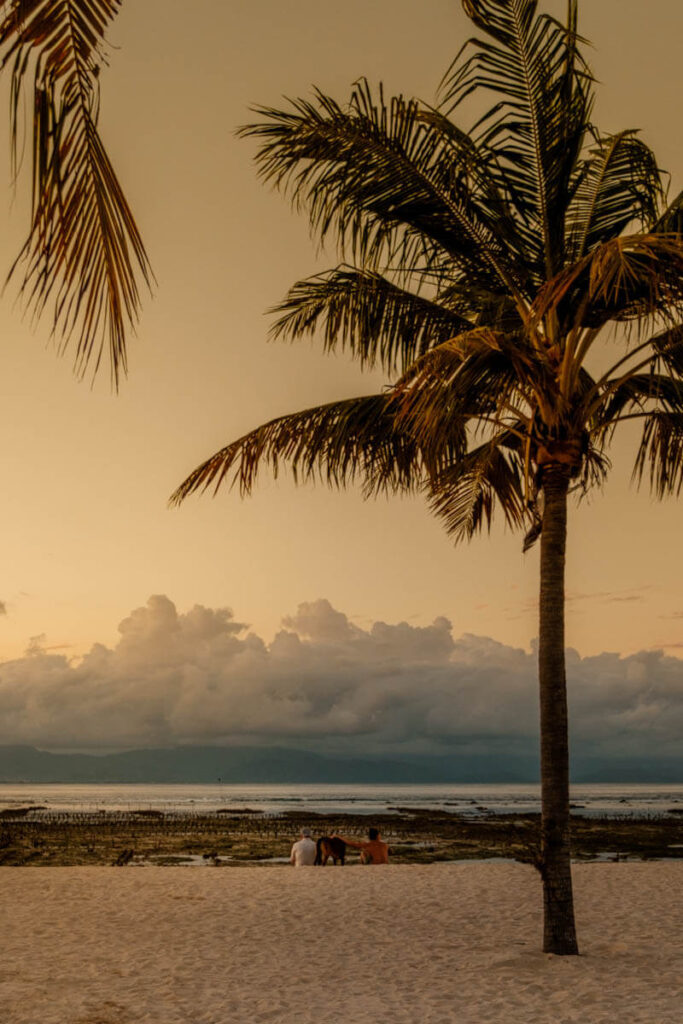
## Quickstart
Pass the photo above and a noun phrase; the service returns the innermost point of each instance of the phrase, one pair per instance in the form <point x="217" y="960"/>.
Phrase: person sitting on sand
<point x="372" y="851"/>
<point x="304" y="851"/>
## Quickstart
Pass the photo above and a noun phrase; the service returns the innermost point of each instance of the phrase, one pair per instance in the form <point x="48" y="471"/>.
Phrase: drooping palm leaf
<point x="667" y="347"/>
<point x="84" y="253"/>
<point x="353" y="440"/>
<point x="378" y="321"/>
<point x="637" y="277"/>
<point x="670" y="221"/>
<point x="620" y="186"/>
<point x="661" y="448"/>
<point x="465" y="494"/>
<point x="630" y="277"/>
<point x="483" y="376"/>
<point x="639" y="393"/>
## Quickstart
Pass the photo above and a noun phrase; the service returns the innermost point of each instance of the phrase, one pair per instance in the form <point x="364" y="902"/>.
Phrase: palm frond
<point x="670" y="221"/>
<point x="340" y="443"/>
<point x="620" y="184"/>
<point x="637" y="393"/>
<point x="532" y="64"/>
<point x="661" y="449"/>
<point x="381" y="176"/>
<point x="482" y="376"/>
<point x="372" y="317"/>
<point x="667" y="347"/>
<point x="482" y="308"/>
<point x="637" y="276"/>
<point x="490" y="183"/>
<point x="633" y="277"/>
<point x="465" y="494"/>
<point x="84" y="253"/>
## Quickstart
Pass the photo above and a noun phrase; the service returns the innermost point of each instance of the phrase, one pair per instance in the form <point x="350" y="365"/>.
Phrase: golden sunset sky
<point x="86" y="534"/>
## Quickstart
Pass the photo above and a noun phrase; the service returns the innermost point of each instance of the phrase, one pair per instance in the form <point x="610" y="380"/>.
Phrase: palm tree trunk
<point x="559" y="932"/>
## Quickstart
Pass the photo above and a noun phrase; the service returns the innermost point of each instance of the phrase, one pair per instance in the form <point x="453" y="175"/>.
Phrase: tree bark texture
<point x="559" y="931"/>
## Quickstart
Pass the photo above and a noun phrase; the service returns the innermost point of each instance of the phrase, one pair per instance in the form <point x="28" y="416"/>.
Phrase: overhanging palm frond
<point x="386" y="180"/>
<point x="354" y="440"/>
<point x="378" y="321"/>
<point x="619" y="184"/>
<point x="84" y="252"/>
<point x="536" y="129"/>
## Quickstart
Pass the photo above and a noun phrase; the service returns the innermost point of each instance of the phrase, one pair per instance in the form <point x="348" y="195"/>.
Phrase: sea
<point x="596" y="800"/>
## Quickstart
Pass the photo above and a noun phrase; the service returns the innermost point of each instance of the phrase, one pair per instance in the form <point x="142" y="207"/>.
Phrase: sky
<point x="87" y="536"/>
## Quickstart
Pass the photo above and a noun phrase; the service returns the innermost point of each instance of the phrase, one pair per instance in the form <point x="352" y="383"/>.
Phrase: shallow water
<point x="470" y="800"/>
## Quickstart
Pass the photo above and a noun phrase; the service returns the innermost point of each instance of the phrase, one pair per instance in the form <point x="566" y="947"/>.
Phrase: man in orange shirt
<point x="373" y="851"/>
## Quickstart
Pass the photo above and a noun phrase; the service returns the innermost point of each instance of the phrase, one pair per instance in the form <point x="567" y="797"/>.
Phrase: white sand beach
<point x="432" y="943"/>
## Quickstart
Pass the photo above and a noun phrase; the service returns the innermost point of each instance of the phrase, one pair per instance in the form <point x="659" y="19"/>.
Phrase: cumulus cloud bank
<point x="200" y="677"/>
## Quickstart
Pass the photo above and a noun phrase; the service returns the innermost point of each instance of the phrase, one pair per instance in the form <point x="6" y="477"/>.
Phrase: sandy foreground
<point x="442" y="942"/>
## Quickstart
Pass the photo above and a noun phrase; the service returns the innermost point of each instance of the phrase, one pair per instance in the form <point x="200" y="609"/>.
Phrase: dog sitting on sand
<point x="330" y="846"/>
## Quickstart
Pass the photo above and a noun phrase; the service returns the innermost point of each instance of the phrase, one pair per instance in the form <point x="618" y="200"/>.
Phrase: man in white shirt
<point x="303" y="852"/>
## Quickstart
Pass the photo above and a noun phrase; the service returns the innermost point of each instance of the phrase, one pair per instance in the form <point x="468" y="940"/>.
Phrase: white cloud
<point x="201" y="677"/>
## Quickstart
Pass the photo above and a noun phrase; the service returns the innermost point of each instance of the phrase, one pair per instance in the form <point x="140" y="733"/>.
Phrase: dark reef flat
<point x="31" y="836"/>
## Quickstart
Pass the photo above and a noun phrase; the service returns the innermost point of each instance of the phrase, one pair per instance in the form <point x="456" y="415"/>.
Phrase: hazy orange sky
<point x="86" y="532"/>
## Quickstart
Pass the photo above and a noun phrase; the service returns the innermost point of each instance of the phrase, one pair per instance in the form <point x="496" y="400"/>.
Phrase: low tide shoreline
<point x="238" y="837"/>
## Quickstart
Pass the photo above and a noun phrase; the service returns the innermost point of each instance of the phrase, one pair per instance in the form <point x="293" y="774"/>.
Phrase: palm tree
<point x="479" y="269"/>
<point x="83" y="253"/>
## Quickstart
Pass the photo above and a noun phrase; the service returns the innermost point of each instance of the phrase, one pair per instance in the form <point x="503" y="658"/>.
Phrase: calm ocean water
<point x="472" y="800"/>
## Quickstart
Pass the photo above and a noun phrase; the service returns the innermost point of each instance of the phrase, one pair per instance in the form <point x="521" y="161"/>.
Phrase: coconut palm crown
<point x="479" y="268"/>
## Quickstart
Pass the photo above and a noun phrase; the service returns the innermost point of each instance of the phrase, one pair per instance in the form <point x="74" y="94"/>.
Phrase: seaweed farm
<point x="32" y="835"/>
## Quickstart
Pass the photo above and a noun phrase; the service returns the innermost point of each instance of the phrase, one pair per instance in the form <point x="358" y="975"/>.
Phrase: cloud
<point x="576" y="601"/>
<point x="3" y="608"/>
<point x="325" y="683"/>
<point x="611" y="597"/>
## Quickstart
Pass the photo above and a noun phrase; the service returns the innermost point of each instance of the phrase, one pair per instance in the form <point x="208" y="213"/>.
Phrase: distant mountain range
<point x="284" y="765"/>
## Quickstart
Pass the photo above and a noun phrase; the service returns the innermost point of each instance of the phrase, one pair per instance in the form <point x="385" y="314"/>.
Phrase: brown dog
<point x="330" y="846"/>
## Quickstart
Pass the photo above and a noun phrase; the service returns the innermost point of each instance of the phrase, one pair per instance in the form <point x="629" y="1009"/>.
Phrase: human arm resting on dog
<point x="373" y="850"/>
<point x="349" y="842"/>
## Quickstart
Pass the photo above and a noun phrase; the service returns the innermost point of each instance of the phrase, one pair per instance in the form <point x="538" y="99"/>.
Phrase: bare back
<point x="375" y="852"/>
